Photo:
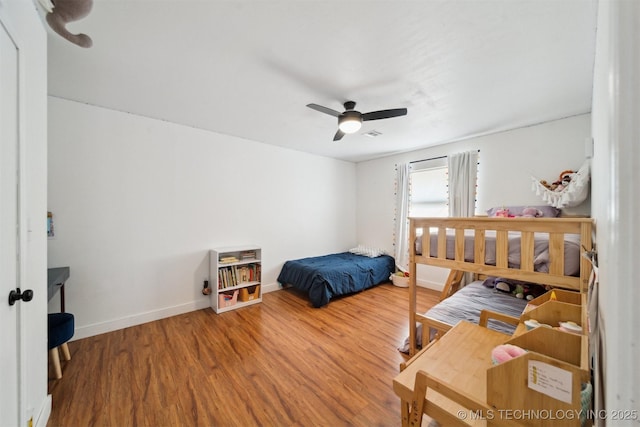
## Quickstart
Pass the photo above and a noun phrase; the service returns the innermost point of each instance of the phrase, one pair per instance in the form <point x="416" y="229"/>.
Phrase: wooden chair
<point x="61" y="329"/>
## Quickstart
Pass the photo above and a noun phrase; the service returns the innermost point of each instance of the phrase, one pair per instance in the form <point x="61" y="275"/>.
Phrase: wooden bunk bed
<point x="488" y="246"/>
<point x="454" y="377"/>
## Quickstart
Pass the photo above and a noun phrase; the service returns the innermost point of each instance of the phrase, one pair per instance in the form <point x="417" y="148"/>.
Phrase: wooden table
<point x="458" y="364"/>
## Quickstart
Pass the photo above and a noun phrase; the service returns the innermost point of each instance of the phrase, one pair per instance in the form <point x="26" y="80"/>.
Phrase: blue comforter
<point x="327" y="276"/>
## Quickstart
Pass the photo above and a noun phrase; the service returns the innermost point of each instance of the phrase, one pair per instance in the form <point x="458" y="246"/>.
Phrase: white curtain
<point x="463" y="171"/>
<point x="402" y="217"/>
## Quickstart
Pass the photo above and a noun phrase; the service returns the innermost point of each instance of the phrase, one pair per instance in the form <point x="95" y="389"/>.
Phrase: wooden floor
<point x="278" y="363"/>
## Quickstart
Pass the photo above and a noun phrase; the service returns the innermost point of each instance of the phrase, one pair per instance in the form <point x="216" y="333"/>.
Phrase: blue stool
<point x="61" y="328"/>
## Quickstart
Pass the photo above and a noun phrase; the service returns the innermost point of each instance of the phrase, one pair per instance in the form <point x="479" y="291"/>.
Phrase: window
<point x="429" y="188"/>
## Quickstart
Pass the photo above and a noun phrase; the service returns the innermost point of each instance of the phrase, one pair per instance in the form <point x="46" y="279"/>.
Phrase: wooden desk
<point x="56" y="277"/>
<point x="459" y="360"/>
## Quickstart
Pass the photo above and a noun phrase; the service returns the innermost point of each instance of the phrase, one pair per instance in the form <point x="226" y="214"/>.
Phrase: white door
<point x="9" y="232"/>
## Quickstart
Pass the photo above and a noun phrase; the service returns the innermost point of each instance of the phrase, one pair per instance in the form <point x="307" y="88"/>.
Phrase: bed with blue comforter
<point x="327" y="276"/>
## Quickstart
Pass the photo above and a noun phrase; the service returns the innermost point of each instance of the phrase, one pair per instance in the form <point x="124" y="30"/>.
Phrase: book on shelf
<point x="228" y="259"/>
<point x="234" y="275"/>
<point x="247" y="255"/>
<point x="243" y="274"/>
<point x="225" y="278"/>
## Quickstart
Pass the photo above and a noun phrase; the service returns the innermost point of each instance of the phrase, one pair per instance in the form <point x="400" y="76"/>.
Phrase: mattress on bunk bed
<point x="466" y="304"/>
<point x="541" y="250"/>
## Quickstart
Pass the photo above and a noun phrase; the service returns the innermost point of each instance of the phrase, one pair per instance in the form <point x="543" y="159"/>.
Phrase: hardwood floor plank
<point x="278" y="363"/>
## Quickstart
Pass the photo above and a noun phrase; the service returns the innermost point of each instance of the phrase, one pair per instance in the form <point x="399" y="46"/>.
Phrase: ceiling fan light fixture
<point x="350" y="122"/>
<point x="350" y="125"/>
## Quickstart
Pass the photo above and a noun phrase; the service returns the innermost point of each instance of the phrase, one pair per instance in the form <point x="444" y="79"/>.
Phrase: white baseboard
<point x="138" y="319"/>
<point x="271" y="287"/>
<point x="430" y="285"/>
<point x="45" y="413"/>
<point x="150" y="316"/>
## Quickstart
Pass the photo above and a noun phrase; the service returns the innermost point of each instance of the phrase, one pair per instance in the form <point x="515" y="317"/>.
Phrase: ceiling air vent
<point x="372" y="134"/>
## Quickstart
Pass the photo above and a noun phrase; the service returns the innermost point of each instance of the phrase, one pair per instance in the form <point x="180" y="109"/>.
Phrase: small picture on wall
<point x="50" y="230"/>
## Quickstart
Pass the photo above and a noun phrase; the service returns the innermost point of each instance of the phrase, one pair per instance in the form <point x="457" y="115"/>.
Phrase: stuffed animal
<point x="65" y="11"/>
<point x="505" y="352"/>
<point x="546" y="184"/>
<point x="563" y="180"/>
<point x="502" y="286"/>
<point x="519" y="291"/>
<point x="531" y="213"/>
<point x="503" y="213"/>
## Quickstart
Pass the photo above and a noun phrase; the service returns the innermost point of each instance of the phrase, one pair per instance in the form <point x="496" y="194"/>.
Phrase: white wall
<point x="138" y="202"/>
<point x="507" y="162"/>
<point x="616" y="206"/>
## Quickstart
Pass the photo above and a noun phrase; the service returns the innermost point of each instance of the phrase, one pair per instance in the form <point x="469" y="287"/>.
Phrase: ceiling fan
<point x="351" y="120"/>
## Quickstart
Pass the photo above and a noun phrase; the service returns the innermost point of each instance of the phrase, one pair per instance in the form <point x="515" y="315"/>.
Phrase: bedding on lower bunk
<point x="541" y="250"/>
<point x="327" y="276"/>
<point x="467" y="303"/>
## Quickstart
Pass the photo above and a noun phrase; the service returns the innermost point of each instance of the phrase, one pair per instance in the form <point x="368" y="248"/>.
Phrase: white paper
<point x="550" y="380"/>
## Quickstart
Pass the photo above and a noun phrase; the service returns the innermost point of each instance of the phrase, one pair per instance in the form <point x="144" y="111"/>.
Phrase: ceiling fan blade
<point x="339" y="135"/>
<point x="384" y="114"/>
<point x="325" y="110"/>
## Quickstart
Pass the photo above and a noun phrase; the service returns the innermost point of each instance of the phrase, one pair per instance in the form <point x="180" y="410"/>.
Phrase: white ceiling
<point x="248" y="68"/>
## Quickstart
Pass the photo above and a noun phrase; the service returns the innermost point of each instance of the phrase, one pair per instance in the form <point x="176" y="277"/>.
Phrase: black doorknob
<point x="17" y="295"/>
